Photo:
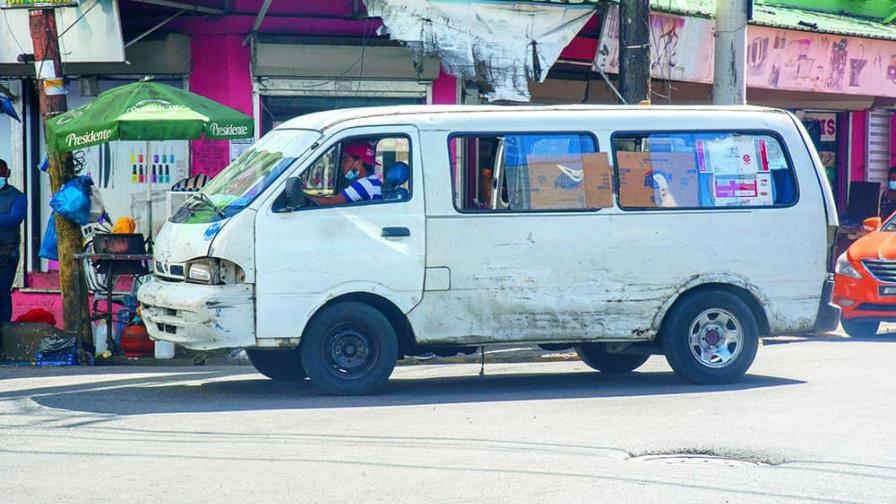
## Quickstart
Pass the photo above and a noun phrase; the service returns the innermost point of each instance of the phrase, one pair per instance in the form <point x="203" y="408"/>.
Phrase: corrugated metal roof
<point x="786" y="17"/>
<point x="798" y="19"/>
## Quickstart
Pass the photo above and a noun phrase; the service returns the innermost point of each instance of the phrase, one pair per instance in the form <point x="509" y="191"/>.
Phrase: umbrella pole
<point x="148" y="181"/>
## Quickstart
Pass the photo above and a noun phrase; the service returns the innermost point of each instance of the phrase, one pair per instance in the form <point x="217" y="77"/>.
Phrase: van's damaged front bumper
<point x="199" y="317"/>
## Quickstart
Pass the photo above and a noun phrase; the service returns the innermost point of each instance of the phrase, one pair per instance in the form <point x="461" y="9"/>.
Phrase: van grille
<point x="171" y="272"/>
<point x="882" y="270"/>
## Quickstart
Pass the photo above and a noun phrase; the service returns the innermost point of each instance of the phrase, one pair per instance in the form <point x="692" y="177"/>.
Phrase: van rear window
<point x="701" y="170"/>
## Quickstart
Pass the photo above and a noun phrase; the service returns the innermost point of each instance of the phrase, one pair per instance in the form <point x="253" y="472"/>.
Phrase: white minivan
<point x="618" y="231"/>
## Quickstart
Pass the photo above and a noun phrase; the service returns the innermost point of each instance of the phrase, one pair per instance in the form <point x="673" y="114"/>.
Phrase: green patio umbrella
<point x="145" y="111"/>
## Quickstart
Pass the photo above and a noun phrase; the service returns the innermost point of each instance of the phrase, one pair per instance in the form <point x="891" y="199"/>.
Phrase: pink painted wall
<point x="220" y="72"/>
<point x="444" y="89"/>
<point x="893" y="140"/>
<point x="842" y="161"/>
<point x="50" y="301"/>
<point x="858" y="125"/>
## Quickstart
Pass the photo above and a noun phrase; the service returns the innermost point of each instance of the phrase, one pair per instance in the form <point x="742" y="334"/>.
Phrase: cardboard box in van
<point x="556" y="182"/>
<point x="598" y="180"/>
<point x="570" y="182"/>
<point x="657" y="179"/>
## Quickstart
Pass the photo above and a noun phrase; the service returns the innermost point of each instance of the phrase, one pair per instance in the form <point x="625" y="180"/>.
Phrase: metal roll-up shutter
<point x="878" y="159"/>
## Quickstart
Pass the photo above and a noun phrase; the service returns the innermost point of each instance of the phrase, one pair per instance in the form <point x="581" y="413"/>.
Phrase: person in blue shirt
<point x="13" y="205"/>
<point x="358" y="162"/>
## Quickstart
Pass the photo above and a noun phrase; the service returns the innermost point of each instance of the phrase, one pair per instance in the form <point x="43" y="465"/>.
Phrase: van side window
<point x="387" y="159"/>
<point x="524" y="172"/>
<point x="700" y="170"/>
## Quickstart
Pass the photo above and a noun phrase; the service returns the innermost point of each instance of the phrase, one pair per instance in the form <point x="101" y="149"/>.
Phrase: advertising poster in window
<point x="730" y="155"/>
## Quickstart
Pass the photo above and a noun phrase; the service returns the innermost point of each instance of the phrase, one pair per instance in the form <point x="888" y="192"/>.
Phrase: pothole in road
<point x="701" y="458"/>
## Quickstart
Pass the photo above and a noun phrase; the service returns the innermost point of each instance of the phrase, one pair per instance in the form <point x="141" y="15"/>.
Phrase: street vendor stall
<point x="146" y="111"/>
<point x="143" y="111"/>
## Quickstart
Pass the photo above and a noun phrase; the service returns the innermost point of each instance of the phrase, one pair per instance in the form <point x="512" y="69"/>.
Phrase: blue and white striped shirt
<point x="367" y="188"/>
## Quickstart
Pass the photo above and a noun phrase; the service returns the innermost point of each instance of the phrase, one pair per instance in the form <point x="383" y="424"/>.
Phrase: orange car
<point x="865" y="280"/>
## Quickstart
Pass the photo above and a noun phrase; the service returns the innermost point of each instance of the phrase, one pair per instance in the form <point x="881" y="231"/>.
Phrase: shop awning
<point x="786" y="17"/>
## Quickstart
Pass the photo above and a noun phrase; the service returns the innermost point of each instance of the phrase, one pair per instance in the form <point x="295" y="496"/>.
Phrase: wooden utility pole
<point x="52" y="103"/>
<point x="634" y="50"/>
<point x="729" y="86"/>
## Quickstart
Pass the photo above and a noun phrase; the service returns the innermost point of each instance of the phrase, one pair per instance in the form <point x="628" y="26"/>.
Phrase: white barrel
<point x="164" y="350"/>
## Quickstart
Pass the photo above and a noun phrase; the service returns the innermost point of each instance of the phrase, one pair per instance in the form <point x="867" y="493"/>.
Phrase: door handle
<point x="396" y="232"/>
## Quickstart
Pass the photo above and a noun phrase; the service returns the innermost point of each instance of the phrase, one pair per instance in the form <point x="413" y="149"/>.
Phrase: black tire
<point x="703" y="322"/>
<point x="605" y="362"/>
<point x="860" y="328"/>
<point x="349" y="348"/>
<point x="280" y="365"/>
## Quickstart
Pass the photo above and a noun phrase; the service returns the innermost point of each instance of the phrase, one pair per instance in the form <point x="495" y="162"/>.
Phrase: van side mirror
<point x="295" y="198"/>
<point x="871" y="224"/>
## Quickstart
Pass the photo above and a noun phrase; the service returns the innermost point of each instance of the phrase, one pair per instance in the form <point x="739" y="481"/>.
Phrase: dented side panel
<point x="612" y="275"/>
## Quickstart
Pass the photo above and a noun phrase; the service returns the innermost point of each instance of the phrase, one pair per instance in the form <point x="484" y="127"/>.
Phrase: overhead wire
<point x="11" y="33"/>
<point x="69" y="27"/>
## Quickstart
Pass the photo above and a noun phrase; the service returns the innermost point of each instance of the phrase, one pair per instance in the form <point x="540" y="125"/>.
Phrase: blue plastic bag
<point x="73" y="200"/>
<point x="49" y="248"/>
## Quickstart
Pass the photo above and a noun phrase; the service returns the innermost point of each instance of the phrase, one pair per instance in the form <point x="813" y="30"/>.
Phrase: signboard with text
<point x="683" y="49"/>
<point x="680" y="47"/>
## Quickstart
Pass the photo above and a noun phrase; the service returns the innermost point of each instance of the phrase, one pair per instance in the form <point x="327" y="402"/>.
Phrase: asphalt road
<point x="814" y="421"/>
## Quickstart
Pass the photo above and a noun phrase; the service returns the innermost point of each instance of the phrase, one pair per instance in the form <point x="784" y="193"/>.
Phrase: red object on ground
<point x="37" y="315"/>
<point x="135" y="342"/>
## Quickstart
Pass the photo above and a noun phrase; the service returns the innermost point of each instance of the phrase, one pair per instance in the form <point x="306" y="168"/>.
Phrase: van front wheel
<point x="606" y="362"/>
<point x="280" y="365"/>
<point x="710" y="337"/>
<point x="349" y="348"/>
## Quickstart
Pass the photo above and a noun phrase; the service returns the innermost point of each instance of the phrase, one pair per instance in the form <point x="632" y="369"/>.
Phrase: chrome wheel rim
<point x="715" y="338"/>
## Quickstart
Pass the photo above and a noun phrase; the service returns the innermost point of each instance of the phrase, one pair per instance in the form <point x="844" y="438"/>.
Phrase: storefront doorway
<point x="277" y="109"/>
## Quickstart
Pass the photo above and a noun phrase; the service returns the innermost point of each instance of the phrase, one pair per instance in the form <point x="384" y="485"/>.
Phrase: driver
<point x="358" y="160"/>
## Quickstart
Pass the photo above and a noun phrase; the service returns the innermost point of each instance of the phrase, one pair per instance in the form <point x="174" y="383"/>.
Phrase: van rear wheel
<point x="857" y="328"/>
<point x="349" y="348"/>
<point x="280" y="365"/>
<point x="607" y="362"/>
<point x="710" y="337"/>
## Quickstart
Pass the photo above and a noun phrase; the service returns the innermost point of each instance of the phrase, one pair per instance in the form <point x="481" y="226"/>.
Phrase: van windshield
<point x="249" y="175"/>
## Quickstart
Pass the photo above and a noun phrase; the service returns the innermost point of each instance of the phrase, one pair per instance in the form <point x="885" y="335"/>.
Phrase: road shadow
<point x="245" y="392"/>
<point x="829" y="338"/>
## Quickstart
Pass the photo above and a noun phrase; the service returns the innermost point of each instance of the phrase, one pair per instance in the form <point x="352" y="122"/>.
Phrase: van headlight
<point x="203" y="271"/>
<point x="214" y="271"/>
<point x="845" y="268"/>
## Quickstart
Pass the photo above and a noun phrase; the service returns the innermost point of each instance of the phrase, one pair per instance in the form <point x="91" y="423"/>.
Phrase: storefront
<point x="286" y="85"/>
<point x="163" y="57"/>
